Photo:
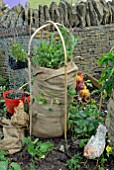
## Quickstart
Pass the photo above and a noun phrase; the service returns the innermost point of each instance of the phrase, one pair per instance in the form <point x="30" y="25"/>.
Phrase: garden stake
<point x="29" y="68"/>
<point x="100" y="105"/>
<point x="65" y="69"/>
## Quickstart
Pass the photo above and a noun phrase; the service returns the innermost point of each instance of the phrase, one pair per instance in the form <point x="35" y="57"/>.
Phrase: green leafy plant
<point x="83" y="120"/>
<point x="50" y="52"/>
<point x="104" y="157"/>
<point x="82" y="142"/>
<point x="38" y="148"/>
<point x="71" y="92"/>
<point x="18" y="53"/>
<point x="88" y="83"/>
<point x="40" y="98"/>
<point x="107" y="76"/>
<point x="6" y="164"/>
<point x="2" y="89"/>
<point x="74" y="162"/>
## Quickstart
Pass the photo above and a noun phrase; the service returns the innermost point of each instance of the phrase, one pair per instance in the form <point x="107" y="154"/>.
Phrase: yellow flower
<point x="57" y="38"/>
<point x="0" y="14"/>
<point x="108" y="149"/>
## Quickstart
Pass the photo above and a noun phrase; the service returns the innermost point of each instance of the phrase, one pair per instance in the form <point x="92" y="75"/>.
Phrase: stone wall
<point x="93" y="43"/>
<point x="96" y="38"/>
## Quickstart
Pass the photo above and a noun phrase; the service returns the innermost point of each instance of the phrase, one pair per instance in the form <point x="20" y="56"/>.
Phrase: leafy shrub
<point x="74" y="162"/>
<point x="6" y="164"/>
<point x="37" y="148"/>
<point x="18" y="53"/>
<point x="107" y="76"/>
<point x="83" y="120"/>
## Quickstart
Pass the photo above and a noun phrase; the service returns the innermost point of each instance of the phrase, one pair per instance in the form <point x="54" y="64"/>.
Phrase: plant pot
<point x="17" y="65"/>
<point x="11" y="103"/>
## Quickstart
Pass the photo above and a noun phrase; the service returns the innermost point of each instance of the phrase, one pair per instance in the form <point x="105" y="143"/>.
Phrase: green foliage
<point x="71" y="92"/>
<point x="88" y="83"/>
<point x="74" y="162"/>
<point x="32" y="165"/>
<point x="15" y="166"/>
<point x="6" y="164"/>
<point x="102" y="168"/>
<point x="40" y="98"/>
<point x="83" y="142"/>
<point x="103" y="158"/>
<point x="2" y="89"/>
<point x="38" y="148"/>
<point x="107" y="76"/>
<point x="3" y="84"/>
<point x="50" y="53"/>
<point x="1" y="80"/>
<point x="18" y="52"/>
<point x="83" y="120"/>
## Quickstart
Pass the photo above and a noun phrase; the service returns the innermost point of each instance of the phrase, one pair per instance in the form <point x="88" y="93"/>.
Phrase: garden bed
<point x="57" y="158"/>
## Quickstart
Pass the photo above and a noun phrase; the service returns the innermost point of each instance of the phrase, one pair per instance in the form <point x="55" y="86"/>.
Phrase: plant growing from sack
<point x="54" y="70"/>
<point x="50" y="53"/>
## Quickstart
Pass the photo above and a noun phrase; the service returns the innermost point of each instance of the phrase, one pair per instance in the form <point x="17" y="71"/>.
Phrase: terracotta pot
<point x="11" y="103"/>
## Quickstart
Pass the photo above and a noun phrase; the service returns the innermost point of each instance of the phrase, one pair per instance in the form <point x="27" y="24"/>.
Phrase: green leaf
<point x="26" y="140"/>
<point x="2" y="155"/>
<point x="31" y="150"/>
<point x="101" y="168"/>
<point x="4" y="165"/>
<point x="15" y="165"/>
<point x="82" y="143"/>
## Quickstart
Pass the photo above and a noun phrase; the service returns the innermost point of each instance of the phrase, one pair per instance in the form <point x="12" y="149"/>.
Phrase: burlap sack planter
<point x="48" y="119"/>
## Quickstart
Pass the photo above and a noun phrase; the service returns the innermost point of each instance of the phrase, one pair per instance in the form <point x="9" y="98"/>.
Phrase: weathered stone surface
<point x="99" y="9"/>
<point x="83" y="14"/>
<point x="41" y="15"/>
<point x="47" y="13"/>
<point x="64" y="6"/>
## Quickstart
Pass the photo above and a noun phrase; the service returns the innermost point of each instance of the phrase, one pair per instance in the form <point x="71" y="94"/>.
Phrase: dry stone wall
<point x="92" y="21"/>
<point x="82" y="14"/>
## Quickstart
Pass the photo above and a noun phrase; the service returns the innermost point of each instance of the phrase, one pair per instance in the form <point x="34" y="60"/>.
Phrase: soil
<point x="15" y="95"/>
<point x="56" y="159"/>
